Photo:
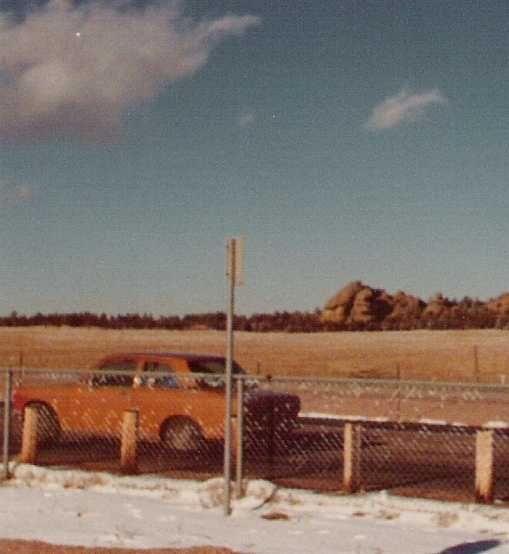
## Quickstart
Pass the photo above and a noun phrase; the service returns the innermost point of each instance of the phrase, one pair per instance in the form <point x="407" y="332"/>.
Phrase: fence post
<point x="270" y="438"/>
<point x="352" y="457"/>
<point x="29" y="439"/>
<point x="398" y="374"/>
<point x="240" y="438"/>
<point x="476" y="364"/>
<point x="7" y="421"/>
<point x="484" y="466"/>
<point x="130" y="425"/>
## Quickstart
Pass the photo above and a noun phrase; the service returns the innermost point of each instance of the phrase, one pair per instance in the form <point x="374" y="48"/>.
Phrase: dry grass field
<point x="462" y="356"/>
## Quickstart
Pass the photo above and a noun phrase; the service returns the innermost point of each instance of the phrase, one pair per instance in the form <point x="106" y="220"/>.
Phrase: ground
<point x="145" y="512"/>
<point x="37" y="547"/>
<point x="369" y="527"/>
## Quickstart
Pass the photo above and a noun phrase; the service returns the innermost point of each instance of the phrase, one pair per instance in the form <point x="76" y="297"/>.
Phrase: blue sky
<point x="345" y="139"/>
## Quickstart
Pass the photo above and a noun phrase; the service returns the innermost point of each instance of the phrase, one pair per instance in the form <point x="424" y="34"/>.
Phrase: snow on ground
<point x="495" y="424"/>
<point x="322" y="415"/>
<point x="98" y="509"/>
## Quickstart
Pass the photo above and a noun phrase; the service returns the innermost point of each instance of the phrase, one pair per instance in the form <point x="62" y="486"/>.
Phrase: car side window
<point x="112" y="380"/>
<point x="160" y="381"/>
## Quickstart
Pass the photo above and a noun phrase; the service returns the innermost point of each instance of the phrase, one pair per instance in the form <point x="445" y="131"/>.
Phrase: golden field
<point x="466" y="356"/>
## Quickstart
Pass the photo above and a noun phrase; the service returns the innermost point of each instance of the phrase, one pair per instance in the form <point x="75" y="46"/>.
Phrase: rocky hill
<point x="359" y="305"/>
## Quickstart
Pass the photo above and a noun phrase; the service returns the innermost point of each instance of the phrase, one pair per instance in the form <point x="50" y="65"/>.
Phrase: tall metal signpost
<point x="235" y="277"/>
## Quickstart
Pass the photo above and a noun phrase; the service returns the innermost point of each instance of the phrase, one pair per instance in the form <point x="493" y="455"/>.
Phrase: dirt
<point x="37" y="547"/>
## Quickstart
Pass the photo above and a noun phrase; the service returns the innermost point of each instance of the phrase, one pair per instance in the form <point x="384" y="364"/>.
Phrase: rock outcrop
<point x="406" y="307"/>
<point x="499" y="305"/>
<point x="338" y="308"/>
<point x="358" y="305"/>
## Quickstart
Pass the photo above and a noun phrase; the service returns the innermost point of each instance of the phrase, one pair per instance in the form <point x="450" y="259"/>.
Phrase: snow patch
<point x="496" y="424"/>
<point x="322" y="415"/>
<point x="263" y="497"/>
<point x="100" y="509"/>
<point x="428" y="421"/>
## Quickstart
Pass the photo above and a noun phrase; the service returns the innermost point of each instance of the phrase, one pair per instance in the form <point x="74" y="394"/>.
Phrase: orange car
<point x="179" y="397"/>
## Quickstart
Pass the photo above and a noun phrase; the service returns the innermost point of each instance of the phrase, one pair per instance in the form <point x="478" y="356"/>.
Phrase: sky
<point x="345" y="140"/>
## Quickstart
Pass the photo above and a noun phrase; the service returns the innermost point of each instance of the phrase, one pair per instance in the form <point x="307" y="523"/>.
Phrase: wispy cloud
<point x="13" y="193"/>
<point x="23" y="193"/>
<point x="403" y="107"/>
<point x="69" y="69"/>
<point x="246" y="119"/>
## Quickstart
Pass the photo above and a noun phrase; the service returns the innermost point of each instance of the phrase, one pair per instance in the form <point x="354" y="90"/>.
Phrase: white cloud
<point x="23" y="193"/>
<point x="12" y="193"/>
<point x="403" y="107"/>
<point x="246" y="119"/>
<point x="75" y="70"/>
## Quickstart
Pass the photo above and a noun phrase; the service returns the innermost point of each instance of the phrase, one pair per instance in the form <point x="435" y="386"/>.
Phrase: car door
<point x="109" y="395"/>
<point x="156" y="396"/>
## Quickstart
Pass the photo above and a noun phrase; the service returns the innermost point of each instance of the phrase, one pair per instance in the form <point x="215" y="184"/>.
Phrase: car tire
<point x="48" y="428"/>
<point x="181" y="435"/>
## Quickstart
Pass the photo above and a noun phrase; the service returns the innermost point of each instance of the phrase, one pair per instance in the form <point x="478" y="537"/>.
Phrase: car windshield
<point x="215" y="366"/>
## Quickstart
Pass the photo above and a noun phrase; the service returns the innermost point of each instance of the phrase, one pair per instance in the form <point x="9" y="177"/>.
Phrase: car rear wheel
<point x="48" y="427"/>
<point x="181" y="435"/>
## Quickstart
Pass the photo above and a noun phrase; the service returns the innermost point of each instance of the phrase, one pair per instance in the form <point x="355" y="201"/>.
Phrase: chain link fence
<point x="432" y="440"/>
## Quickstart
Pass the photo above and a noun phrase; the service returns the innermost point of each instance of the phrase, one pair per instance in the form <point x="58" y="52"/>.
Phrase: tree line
<point x="466" y="314"/>
<point x="277" y="321"/>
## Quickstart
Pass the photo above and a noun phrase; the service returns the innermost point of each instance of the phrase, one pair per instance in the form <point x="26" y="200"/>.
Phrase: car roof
<point x="188" y="356"/>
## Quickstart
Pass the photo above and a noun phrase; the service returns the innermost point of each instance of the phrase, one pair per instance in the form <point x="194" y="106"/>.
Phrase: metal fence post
<point x="231" y="244"/>
<point x="7" y="421"/>
<point x="398" y="372"/>
<point x="476" y="364"/>
<point x="271" y="438"/>
<point x="240" y="438"/>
